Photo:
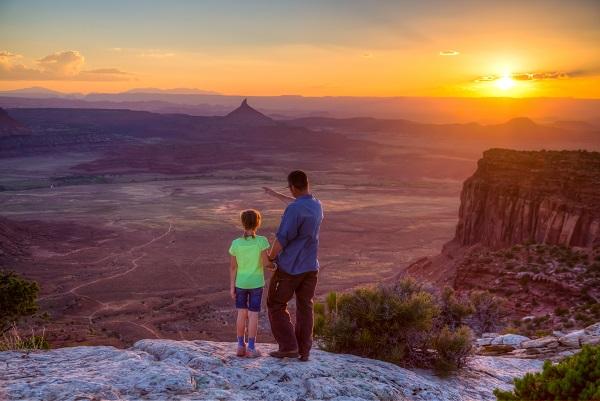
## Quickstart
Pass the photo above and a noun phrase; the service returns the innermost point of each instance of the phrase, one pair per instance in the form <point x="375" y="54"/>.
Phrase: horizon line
<point x="218" y="94"/>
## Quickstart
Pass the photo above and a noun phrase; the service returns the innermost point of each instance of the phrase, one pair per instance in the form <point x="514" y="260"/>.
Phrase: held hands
<point x="271" y="266"/>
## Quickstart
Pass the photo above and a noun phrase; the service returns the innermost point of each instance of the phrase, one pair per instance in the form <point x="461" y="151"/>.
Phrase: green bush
<point x="453" y="309"/>
<point x="17" y="299"/>
<point x="452" y="348"/>
<point x="398" y="324"/>
<point x="574" y="378"/>
<point x="489" y="312"/>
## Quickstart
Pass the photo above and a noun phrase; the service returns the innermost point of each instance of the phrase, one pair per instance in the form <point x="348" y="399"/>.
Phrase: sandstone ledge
<point x="203" y="370"/>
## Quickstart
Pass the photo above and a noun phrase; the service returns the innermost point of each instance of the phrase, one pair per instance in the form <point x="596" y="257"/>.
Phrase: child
<point x="248" y="257"/>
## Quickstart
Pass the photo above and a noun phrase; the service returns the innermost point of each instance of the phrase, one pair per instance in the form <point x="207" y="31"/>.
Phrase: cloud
<point x="154" y="53"/>
<point x="105" y="74"/>
<point x="66" y="66"/>
<point x="449" y="53"/>
<point x="487" y="78"/>
<point x="7" y="58"/>
<point x="143" y="52"/>
<point x="62" y="64"/>
<point x="538" y="76"/>
<point x="528" y="76"/>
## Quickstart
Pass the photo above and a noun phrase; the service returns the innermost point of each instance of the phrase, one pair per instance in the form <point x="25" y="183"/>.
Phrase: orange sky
<point x="378" y="48"/>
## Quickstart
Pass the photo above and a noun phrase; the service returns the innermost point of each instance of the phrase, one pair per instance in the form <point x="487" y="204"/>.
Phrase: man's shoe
<point x="303" y="358"/>
<point x="284" y="354"/>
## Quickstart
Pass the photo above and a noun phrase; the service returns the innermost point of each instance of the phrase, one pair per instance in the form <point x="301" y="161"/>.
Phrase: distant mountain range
<point x="174" y="91"/>
<point x="26" y="129"/>
<point x="205" y="103"/>
<point x="41" y="92"/>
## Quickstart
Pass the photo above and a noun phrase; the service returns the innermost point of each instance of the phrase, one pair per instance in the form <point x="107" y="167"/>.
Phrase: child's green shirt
<point x="250" y="272"/>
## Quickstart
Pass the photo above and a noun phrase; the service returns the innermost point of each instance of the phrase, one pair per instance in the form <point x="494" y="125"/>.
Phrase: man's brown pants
<point x="282" y="288"/>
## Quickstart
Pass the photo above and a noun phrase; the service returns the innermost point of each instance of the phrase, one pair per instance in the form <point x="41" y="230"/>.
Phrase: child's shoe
<point x="253" y="353"/>
<point x="241" y="350"/>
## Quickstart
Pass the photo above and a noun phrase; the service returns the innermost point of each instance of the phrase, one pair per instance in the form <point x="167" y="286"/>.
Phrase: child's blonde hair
<point x="251" y="221"/>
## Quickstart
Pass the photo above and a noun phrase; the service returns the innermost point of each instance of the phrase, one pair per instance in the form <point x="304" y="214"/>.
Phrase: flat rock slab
<point x="593" y="330"/>
<point x="548" y="342"/>
<point x="203" y="370"/>
<point x="514" y="340"/>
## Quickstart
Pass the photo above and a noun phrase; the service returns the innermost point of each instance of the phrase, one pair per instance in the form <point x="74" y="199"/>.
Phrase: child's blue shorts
<point x="248" y="298"/>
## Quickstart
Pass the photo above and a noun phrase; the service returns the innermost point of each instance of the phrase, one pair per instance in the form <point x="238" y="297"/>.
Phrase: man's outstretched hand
<point x="269" y="191"/>
<point x="278" y="195"/>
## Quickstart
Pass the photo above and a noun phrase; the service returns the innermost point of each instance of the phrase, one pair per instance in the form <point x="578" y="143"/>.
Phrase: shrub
<point x="17" y="299"/>
<point x="452" y="348"/>
<point x="574" y="378"/>
<point x="401" y="324"/>
<point x="558" y="311"/>
<point x="453" y="309"/>
<point x="489" y="312"/>
<point x="385" y="323"/>
<point x="319" y="308"/>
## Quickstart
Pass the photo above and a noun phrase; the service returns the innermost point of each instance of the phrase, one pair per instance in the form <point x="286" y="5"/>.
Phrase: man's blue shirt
<point x="298" y="234"/>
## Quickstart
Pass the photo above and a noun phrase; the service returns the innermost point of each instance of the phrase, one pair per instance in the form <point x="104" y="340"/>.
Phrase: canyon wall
<point x="550" y="197"/>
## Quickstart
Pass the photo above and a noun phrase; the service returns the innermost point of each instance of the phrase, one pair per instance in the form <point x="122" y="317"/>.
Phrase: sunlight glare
<point x="505" y="83"/>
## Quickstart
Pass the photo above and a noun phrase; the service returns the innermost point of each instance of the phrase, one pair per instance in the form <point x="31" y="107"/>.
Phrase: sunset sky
<point x="311" y="48"/>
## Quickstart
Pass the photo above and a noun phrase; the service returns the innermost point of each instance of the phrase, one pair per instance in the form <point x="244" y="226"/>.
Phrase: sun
<point x="505" y="82"/>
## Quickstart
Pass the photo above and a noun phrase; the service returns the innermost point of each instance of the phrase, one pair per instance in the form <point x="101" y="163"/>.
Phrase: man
<point x="294" y="252"/>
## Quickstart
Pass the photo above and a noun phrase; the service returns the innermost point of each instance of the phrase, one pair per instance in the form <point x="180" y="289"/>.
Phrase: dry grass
<point x="13" y="340"/>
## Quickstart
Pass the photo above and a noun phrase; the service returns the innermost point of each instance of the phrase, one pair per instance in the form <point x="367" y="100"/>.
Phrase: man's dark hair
<point x="298" y="179"/>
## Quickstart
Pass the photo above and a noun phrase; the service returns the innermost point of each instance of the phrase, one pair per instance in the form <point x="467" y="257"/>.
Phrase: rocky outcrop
<point x="201" y="370"/>
<point x="248" y="117"/>
<point x="550" y="197"/>
<point x="553" y="347"/>
<point x="529" y="231"/>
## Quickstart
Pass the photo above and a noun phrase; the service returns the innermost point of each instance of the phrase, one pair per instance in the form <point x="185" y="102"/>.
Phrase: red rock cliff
<point x="548" y="197"/>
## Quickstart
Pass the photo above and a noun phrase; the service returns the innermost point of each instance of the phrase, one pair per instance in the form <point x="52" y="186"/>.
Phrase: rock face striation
<point x="550" y="197"/>
<point x="528" y="231"/>
<point x="202" y="370"/>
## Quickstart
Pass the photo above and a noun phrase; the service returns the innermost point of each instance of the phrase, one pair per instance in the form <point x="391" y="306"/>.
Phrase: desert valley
<point x="427" y="175"/>
<point x="124" y="217"/>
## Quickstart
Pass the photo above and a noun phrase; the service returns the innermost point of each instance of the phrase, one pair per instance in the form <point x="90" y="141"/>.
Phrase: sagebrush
<point x="403" y="324"/>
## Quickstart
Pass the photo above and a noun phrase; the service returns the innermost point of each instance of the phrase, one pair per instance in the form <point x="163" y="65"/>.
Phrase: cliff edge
<point x="203" y="370"/>
<point x="529" y="231"/>
<point x="545" y="197"/>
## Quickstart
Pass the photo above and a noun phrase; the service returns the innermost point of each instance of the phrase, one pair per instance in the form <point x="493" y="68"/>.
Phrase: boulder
<point x="593" y="330"/>
<point x="497" y="349"/>
<point x="589" y="340"/>
<point x="204" y="370"/>
<point x="544" y="342"/>
<point x="514" y="340"/>
<point x="572" y="339"/>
